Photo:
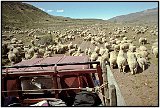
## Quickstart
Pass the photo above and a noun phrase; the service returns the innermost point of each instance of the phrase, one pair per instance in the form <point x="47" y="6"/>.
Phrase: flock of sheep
<point x="112" y="47"/>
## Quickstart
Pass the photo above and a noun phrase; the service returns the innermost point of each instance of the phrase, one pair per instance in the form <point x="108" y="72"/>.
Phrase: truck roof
<point x="52" y="60"/>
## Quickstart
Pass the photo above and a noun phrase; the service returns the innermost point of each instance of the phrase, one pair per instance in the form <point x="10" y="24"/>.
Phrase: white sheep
<point x="129" y="41"/>
<point x="132" y="62"/>
<point x="155" y="51"/>
<point x="89" y="52"/>
<point x="75" y="46"/>
<point x="121" y="61"/>
<point x="118" y="42"/>
<point x="36" y="55"/>
<point x="107" y="45"/>
<point x="31" y="51"/>
<point x="12" y="57"/>
<point x="99" y="59"/>
<point x="126" y="46"/>
<point x="142" y="41"/>
<point x="113" y="59"/>
<point x="97" y="49"/>
<point x="13" y="40"/>
<point x="15" y="51"/>
<point x="132" y="48"/>
<point x="94" y="56"/>
<point x="105" y="56"/>
<point x="142" y="48"/>
<point x="79" y="49"/>
<point x="117" y="47"/>
<point x="144" y="54"/>
<point x="102" y="51"/>
<point x="41" y="51"/>
<point x="71" y="51"/>
<point x="86" y="51"/>
<point x="125" y="38"/>
<point x="70" y="45"/>
<point x="141" y="61"/>
<point x="77" y="53"/>
<point x="28" y="56"/>
<point x="47" y="54"/>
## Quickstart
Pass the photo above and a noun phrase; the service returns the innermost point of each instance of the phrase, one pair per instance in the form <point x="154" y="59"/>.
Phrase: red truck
<point x="49" y="78"/>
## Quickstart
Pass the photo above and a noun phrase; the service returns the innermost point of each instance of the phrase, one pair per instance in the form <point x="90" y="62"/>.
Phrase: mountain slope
<point x="22" y="14"/>
<point x="147" y="16"/>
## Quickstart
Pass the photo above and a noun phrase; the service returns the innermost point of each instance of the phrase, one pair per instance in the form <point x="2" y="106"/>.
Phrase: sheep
<point x="118" y="42"/>
<point x="94" y="56"/>
<point x="71" y="51"/>
<point x="86" y="51"/>
<point x="13" y="40"/>
<point x="93" y="42"/>
<point x="107" y="45"/>
<point x="32" y="42"/>
<point x="5" y="48"/>
<point x="142" y="41"/>
<point x="31" y="51"/>
<point x="28" y="56"/>
<point x="113" y="41"/>
<point x="113" y="59"/>
<point x="122" y="46"/>
<point x="20" y="42"/>
<point x="89" y="52"/>
<point x="129" y="41"/>
<point x="125" y="38"/>
<point x="79" y="49"/>
<point x="47" y="54"/>
<point x="101" y="51"/>
<point x="144" y="54"/>
<point x="70" y="46"/>
<point x="36" y="55"/>
<point x="126" y="46"/>
<point x="141" y="61"/>
<point x="142" y="48"/>
<point x="96" y="49"/>
<point x="155" y="51"/>
<point x="75" y="46"/>
<point x="121" y="61"/>
<point x="123" y="41"/>
<point x="10" y="47"/>
<point x="132" y="48"/>
<point x="132" y="62"/>
<point x="117" y="47"/>
<point x="105" y="56"/>
<point x="41" y="51"/>
<point x="122" y="35"/>
<point x="100" y="59"/>
<point x="16" y="51"/>
<point x="12" y="57"/>
<point x="78" y="53"/>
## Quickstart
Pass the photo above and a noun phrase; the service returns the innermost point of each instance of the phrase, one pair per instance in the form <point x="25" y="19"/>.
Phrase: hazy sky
<point x="99" y="10"/>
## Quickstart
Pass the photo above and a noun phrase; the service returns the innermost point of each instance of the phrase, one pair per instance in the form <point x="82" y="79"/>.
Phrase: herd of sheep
<point x="112" y="47"/>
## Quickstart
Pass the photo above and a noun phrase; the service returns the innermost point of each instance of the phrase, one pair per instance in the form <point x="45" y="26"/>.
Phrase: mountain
<point x="24" y="15"/>
<point x="146" y="16"/>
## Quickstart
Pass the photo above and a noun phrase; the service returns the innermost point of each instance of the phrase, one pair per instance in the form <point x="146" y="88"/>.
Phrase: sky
<point x="96" y="10"/>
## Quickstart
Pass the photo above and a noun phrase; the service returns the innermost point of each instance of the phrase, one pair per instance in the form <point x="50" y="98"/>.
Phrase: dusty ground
<point x="140" y="89"/>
